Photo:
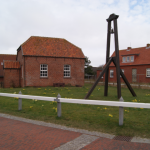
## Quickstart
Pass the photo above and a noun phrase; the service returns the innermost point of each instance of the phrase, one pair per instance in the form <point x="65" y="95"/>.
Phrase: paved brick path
<point x="20" y="135"/>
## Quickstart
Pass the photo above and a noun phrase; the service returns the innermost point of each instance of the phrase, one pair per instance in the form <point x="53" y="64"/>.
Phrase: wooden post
<point x="107" y="58"/>
<point x="121" y="110"/>
<point x="58" y="105"/>
<point x="20" y="102"/>
<point x="117" y="59"/>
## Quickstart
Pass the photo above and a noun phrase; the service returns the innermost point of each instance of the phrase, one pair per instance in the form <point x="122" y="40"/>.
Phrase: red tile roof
<point x="141" y="56"/>
<point x="6" y="57"/>
<point x="11" y="64"/>
<point x="53" y="47"/>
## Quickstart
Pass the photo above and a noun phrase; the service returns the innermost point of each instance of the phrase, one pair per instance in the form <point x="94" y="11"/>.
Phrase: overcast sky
<point x="82" y="22"/>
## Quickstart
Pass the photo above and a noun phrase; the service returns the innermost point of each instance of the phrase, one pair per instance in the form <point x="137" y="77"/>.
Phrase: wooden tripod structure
<point x="115" y="60"/>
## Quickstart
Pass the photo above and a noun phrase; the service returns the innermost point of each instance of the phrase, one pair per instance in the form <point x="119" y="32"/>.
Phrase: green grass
<point x="89" y="117"/>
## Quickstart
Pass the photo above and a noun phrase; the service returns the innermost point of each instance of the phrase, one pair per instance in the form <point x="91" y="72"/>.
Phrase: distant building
<point x="135" y="64"/>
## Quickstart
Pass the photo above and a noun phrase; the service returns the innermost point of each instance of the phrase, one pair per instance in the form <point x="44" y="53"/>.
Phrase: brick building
<point x="43" y="61"/>
<point x="135" y="63"/>
<point x="5" y="57"/>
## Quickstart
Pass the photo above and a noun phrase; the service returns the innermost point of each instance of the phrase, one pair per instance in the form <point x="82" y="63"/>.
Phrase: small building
<point x="135" y="64"/>
<point x="45" y="61"/>
<point x="5" y="57"/>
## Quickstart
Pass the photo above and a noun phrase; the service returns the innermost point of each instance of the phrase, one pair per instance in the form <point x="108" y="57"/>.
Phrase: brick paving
<point x="109" y="144"/>
<point x="20" y="135"/>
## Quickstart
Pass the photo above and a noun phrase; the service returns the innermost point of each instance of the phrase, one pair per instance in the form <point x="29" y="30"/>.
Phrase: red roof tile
<point x="53" y="47"/>
<point x="11" y="64"/>
<point x="141" y="56"/>
<point x="6" y="57"/>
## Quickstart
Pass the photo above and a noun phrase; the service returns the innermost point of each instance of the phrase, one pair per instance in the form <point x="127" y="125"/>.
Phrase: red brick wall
<point x="11" y="78"/>
<point x="20" y="58"/>
<point x="5" y="57"/>
<point x="141" y="73"/>
<point x="55" y="71"/>
<point x="98" y="73"/>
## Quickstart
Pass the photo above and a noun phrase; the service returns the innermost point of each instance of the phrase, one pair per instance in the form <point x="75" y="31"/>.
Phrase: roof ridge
<point x="132" y="48"/>
<point x="40" y="37"/>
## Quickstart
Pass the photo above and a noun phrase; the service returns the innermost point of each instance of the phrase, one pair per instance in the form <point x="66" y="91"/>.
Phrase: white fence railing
<point x="119" y="104"/>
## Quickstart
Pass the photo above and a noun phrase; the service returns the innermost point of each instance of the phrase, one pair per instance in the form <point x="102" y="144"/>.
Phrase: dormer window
<point x="128" y="59"/>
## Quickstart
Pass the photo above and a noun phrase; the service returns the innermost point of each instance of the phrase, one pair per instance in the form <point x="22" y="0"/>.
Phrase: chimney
<point x="128" y="48"/>
<point x="148" y="45"/>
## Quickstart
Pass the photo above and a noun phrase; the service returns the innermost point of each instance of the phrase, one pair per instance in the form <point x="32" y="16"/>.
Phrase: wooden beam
<point x="100" y="76"/>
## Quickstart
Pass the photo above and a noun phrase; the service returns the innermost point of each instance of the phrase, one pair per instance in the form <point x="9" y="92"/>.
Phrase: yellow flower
<point x="110" y="115"/>
<point x="141" y="108"/>
<point x="44" y="93"/>
<point x="23" y="89"/>
<point x="105" y="108"/>
<point x="14" y="92"/>
<point x="42" y="105"/>
<point x="45" y="89"/>
<point x="56" y="109"/>
<point x="31" y="106"/>
<point x="97" y="107"/>
<point x="39" y="88"/>
<point x="49" y="89"/>
<point x="35" y="99"/>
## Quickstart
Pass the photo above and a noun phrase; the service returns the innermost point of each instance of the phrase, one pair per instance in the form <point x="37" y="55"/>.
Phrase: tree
<point x="87" y="62"/>
<point x="87" y="67"/>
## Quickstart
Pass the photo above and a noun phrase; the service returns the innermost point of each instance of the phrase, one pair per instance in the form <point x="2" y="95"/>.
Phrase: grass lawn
<point x="89" y="117"/>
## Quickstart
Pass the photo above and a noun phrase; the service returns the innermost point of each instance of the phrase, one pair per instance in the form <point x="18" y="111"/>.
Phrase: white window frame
<point x="43" y="70"/>
<point x="148" y="72"/>
<point x="2" y="63"/>
<point x="123" y="59"/>
<point x="132" y="60"/>
<point x="111" y="73"/>
<point x="67" y="71"/>
<point x="128" y="60"/>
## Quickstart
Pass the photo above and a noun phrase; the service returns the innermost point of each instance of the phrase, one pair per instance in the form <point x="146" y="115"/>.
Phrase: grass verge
<point x="89" y="117"/>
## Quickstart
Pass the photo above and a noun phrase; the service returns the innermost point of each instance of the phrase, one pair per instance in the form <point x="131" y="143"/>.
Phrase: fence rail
<point x="119" y="104"/>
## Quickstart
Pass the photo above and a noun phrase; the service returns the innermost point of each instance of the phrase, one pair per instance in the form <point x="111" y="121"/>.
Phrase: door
<point x="134" y="75"/>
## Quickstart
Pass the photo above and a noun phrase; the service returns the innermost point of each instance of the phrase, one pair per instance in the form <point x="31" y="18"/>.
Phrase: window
<point x="67" y="70"/>
<point x="132" y="58"/>
<point x="124" y="59"/>
<point x="128" y="58"/>
<point x="1" y="63"/>
<point x="111" y="73"/>
<point x="43" y="70"/>
<point x="148" y="72"/>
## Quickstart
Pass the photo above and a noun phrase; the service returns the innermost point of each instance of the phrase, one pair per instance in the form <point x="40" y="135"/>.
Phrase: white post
<point x="121" y="110"/>
<point x="58" y="105"/>
<point x="20" y="102"/>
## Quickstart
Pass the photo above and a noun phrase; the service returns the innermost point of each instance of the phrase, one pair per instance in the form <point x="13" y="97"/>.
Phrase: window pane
<point x="43" y="70"/>
<point x="111" y="73"/>
<point x="132" y="58"/>
<point x="148" y="72"/>
<point x="124" y="59"/>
